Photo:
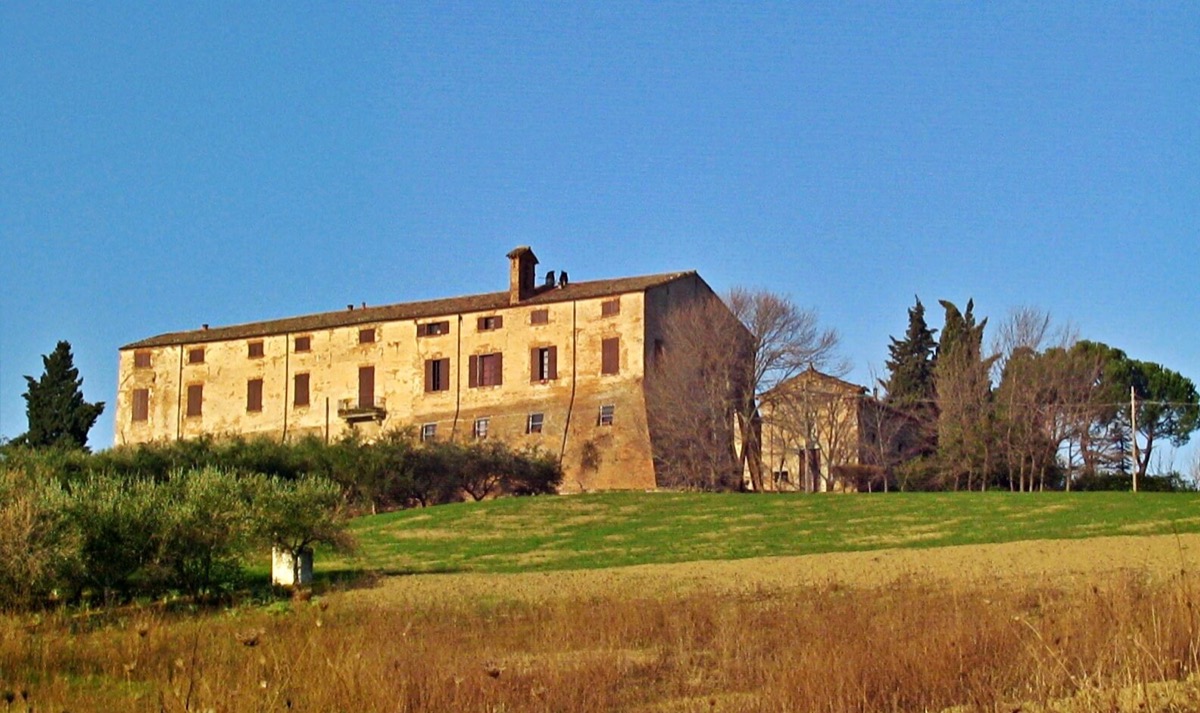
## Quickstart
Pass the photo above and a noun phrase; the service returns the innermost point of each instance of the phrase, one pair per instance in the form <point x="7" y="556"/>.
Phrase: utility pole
<point x="1133" y="434"/>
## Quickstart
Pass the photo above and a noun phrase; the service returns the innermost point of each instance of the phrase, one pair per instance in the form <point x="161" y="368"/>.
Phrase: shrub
<point x="120" y="525"/>
<point x="206" y="530"/>
<point x="36" y="546"/>
<point x="294" y="515"/>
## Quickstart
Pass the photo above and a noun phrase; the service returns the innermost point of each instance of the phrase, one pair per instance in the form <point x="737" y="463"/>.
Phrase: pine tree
<point x="58" y="415"/>
<point x="910" y="381"/>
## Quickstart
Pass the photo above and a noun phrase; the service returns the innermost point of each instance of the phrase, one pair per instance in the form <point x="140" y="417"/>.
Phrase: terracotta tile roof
<point x="410" y="310"/>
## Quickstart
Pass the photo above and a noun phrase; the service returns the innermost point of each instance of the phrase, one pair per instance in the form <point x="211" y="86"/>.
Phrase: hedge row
<point x="394" y="471"/>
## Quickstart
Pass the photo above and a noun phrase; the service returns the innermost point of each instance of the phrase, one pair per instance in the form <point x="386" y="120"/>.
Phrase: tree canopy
<point x="910" y="364"/>
<point x="58" y="415"/>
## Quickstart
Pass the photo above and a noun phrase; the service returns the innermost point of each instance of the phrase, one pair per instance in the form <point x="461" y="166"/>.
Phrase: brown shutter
<point x="429" y="375"/>
<point x="499" y="368"/>
<point x="366" y="387"/>
<point x="535" y="364"/>
<point x="254" y="390"/>
<point x="610" y="355"/>
<point x="499" y="321"/>
<point x="553" y="366"/>
<point x="481" y="324"/>
<point x="473" y="371"/>
<point x="141" y="404"/>
<point x="301" y="389"/>
<point x="195" y="399"/>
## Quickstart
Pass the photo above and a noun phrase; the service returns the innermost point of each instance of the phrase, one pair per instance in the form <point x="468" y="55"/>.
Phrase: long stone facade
<point x="549" y="363"/>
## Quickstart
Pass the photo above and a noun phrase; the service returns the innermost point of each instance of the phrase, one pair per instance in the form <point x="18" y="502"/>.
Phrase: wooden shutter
<point x="498" y="322"/>
<point x="141" y="360"/>
<point x="499" y="368"/>
<point x="444" y="374"/>
<point x="553" y="363"/>
<point x="195" y="399"/>
<point x="254" y="391"/>
<point x="141" y="404"/>
<point x="610" y="355"/>
<point x="301" y="389"/>
<point x="535" y="364"/>
<point x="473" y="371"/>
<point x="366" y="387"/>
<point x="429" y="375"/>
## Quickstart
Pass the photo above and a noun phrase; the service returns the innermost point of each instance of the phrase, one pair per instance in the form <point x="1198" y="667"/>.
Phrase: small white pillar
<point x="284" y="571"/>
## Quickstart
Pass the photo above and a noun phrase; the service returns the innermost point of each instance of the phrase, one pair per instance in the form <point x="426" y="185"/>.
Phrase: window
<point x="487" y="324"/>
<point x="428" y="431"/>
<point x="366" y="336"/>
<point x="366" y="387"/>
<point x="254" y="389"/>
<point x="543" y="363"/>
<point x="303" y="344"/>
<point x="300" y="390"/>
<point x="539" y="316"/>
<point x="486" y="370"/>
<point x="254" y="350"/>
<point x="437" y="375"/>
<point x="196" y="355"/>
<point x="141" y="405"/>
<point x="534" y="423"/>
<point x="610" y="355"/>
<point x="432" y="329"/>
<point x="481" y="427"/>
<point x="141" y="360"/>
<point x="610" y="307"/>
<point x="195" y="400"/>
<point x="606" y="415"/>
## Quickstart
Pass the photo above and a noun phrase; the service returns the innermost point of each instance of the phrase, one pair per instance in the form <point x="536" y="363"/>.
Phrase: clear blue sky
<point x="164" y="165"/>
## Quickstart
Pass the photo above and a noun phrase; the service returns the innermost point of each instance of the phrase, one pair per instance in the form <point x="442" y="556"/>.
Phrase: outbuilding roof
<point x="411" y="310"/>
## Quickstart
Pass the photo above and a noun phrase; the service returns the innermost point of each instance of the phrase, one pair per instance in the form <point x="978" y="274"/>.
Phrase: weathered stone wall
<point x="594" y="456"/>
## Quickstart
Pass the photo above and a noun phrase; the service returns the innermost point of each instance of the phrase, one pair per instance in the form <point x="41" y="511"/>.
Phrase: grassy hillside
<point x="616" y="529"/>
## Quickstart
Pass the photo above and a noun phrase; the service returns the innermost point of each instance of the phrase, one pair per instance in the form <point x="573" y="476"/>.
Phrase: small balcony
<point x="355" y="410"/>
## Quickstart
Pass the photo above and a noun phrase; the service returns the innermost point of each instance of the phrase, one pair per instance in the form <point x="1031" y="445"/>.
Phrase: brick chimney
<point x="521" y="265"/>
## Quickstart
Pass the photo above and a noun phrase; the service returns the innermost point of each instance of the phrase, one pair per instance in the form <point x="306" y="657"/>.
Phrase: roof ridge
<point x="400" y="311"/>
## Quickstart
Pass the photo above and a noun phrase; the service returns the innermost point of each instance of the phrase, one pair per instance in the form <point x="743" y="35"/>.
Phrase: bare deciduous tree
<point x="715" y="359"/>
<point x="692" y="397"/>
<point x="785" y="339"/>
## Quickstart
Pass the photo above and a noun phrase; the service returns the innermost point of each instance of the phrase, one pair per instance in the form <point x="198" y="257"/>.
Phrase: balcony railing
<point x="356" y="410"/>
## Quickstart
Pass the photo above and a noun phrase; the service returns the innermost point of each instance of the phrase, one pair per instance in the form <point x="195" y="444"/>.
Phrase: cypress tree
<point x="910" y="366"/>
<point x="58" y="415"/>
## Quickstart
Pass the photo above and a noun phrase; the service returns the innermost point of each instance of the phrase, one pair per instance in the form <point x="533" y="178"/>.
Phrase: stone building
<point x="821" y="433"/>
<point x="555" y="364"/>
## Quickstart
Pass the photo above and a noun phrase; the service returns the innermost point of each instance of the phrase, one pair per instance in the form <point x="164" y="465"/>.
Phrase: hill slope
<point x="622" y="529"/>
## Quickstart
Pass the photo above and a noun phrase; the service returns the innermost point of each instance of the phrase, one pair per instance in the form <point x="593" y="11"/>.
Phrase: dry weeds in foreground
<point x="1083" y="643"/>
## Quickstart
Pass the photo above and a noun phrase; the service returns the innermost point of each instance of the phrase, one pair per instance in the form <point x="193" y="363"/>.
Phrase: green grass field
<point x="618" y="529"/>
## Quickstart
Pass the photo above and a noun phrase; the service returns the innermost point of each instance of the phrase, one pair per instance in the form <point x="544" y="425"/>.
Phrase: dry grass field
<point x="1108" y="624"/>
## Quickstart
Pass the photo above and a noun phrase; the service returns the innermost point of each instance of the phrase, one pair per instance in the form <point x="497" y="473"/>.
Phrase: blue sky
<point x="164" y="165"/>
